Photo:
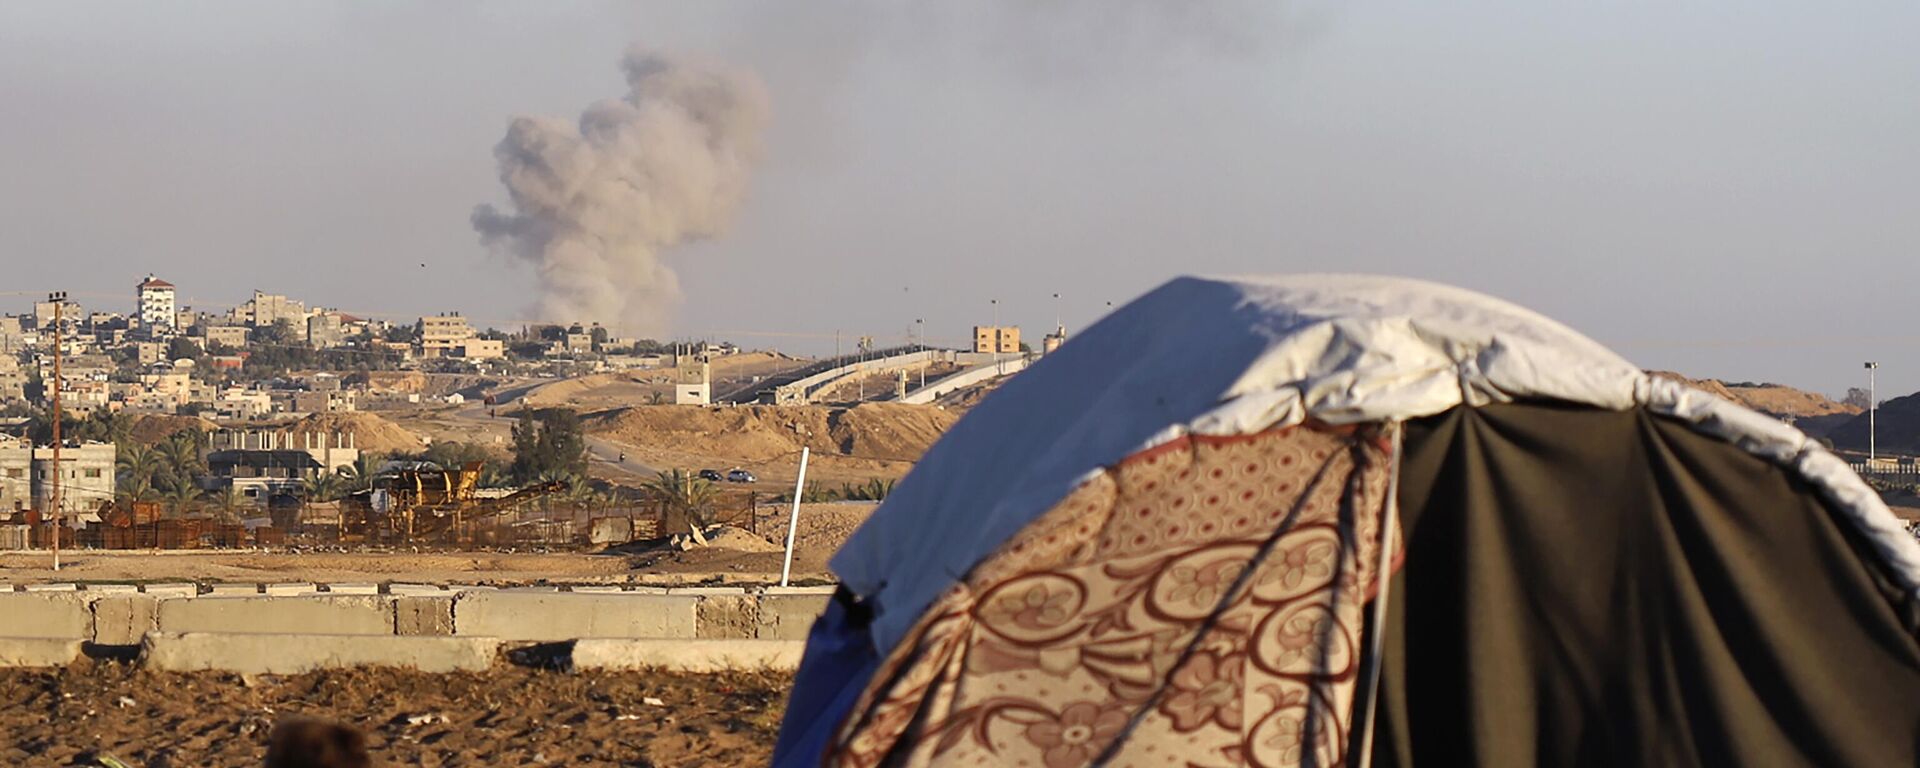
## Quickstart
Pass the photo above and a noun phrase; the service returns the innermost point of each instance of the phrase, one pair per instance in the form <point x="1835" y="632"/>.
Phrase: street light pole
<point x="1873" y="403"/>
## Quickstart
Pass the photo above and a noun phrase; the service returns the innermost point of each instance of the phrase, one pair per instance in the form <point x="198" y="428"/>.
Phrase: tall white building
<point x="157" y="311"/>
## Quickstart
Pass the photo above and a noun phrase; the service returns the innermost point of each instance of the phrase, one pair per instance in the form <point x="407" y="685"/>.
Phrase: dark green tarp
<point x="1597" y="588"/>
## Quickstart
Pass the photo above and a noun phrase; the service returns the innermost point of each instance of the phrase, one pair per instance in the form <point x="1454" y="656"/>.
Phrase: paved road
<point x="599" y="449"/>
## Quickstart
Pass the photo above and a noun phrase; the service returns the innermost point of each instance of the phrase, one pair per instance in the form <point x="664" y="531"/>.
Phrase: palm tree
<point x="229" y="501"/>
<point x="359" y="475"/>
<point x="323" y="487"/>
<point x="136" y="488"/>
<point x="561" y="476"/>
<point x="678" y="490"/>
<point x="181" y="495"/>
<point x="136" y="464"/>
<point x="181" y="454"/>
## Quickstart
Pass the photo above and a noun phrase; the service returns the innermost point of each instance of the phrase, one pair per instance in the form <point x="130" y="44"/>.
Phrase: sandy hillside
<point x="752" y="364"/>
<point x="429" y="384"/>
<point x="887" y="431"/>
<point x="150" y="428"/>
<point x="600" y="390"/>
<point x="1771" y="399"/>
<point x="443" y="423"/>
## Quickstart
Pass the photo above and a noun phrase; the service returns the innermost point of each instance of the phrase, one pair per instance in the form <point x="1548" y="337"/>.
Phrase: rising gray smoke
<point x="594" y="204"/>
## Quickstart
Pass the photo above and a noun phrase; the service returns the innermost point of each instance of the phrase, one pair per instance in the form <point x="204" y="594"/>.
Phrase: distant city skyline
<point x="1726" y="194"/>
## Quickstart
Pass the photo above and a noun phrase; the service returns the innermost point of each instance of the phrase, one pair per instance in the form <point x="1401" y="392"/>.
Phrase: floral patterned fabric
<point x="1122" y="611"/>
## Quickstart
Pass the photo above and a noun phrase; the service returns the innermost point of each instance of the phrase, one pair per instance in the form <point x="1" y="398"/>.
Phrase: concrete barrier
<point x="728" y="617"/>
<point x="260" y="654"/>
<point x="788" y="617"/>
<point x="172" y="590"/>
<point x="329" y="614"/>
<point x="38" y="651"/>
<point x="688" y="655"/>
<point x="555" y="616"/>
<point x="58" y="615"/>
<point x="120" y="619"/>
<point x="423" y="616"/>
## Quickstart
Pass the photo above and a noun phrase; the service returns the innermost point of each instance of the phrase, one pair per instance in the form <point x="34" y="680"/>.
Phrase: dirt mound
<point x="370" y="431"/>
<point x="1775" y="400"/>
<point x="1786" y="401"/>
<point x="750" y="364"/>
<point x="759" y="432"/>
<point x="738" y="540"/>
<point x="823" y="528"/>
<point x="150" y="428"/>
<point x="601" y="390"/>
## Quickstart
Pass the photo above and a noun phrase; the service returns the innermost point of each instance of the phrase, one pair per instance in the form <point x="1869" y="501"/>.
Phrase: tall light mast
<point x="1873" y="404"/>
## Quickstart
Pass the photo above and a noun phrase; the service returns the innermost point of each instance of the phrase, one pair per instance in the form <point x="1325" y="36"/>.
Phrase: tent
<point x="1164" y="544"/>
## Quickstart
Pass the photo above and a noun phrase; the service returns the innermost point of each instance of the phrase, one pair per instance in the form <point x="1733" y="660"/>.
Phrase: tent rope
<point x="1240" y="583"/>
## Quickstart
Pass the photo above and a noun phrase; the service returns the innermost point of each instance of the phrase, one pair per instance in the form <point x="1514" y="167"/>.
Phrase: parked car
<point x="711" y="474"/>
<point x="740" y="476"/>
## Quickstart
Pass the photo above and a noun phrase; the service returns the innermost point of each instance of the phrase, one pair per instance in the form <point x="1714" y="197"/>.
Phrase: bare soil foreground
<point x="739" y="557"/>
<point x="508" y="716"/>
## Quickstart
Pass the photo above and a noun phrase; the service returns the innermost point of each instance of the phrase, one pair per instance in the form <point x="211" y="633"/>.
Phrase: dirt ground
<point x="823" y="528"/>
<point x="506" y="716"/>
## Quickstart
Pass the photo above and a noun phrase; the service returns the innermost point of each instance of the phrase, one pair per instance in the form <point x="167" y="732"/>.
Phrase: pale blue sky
<point x="1726" y="189"/>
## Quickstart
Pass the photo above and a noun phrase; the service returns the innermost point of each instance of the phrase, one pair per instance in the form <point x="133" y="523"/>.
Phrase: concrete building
<point x="266" y="309"/>
<point x="43" y="313"/>
<point x="27" y="475"/>
<point x="693" y="382"/>
<point x="238" y="404"/>
<point x="157" y="310"/>
<point x="13" y="379"/>
<point x="441" y="334"/>
<point x="323" y="402"/>
<point x="234" y="336"/>
<point x="1001" y="339"/>
<point x="1052" y="341"/>
<point x="149" y="352"/>
<point x="483" y="349"/>
<point x="329" y="451"/>
<point x="325" y="330"/>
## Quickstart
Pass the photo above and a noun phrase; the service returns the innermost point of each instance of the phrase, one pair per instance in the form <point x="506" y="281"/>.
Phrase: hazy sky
<point x="1730" y="189"/>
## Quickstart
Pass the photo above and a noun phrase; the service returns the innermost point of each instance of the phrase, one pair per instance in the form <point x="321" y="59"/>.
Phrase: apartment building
<point x="157" y="310"/>
<point x="27" y="475"/>
<point x="441" y="334"/>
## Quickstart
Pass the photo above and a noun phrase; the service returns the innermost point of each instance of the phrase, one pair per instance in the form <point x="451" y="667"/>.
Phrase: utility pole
<point x="919" y="324"/>
<point x="1873" y="404"/>
<point x="996" y="337"/>
<point x="59" y="299"/>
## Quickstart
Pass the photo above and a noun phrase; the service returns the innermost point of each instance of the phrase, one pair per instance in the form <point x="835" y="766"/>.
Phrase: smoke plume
<point x="595" y="204"/>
